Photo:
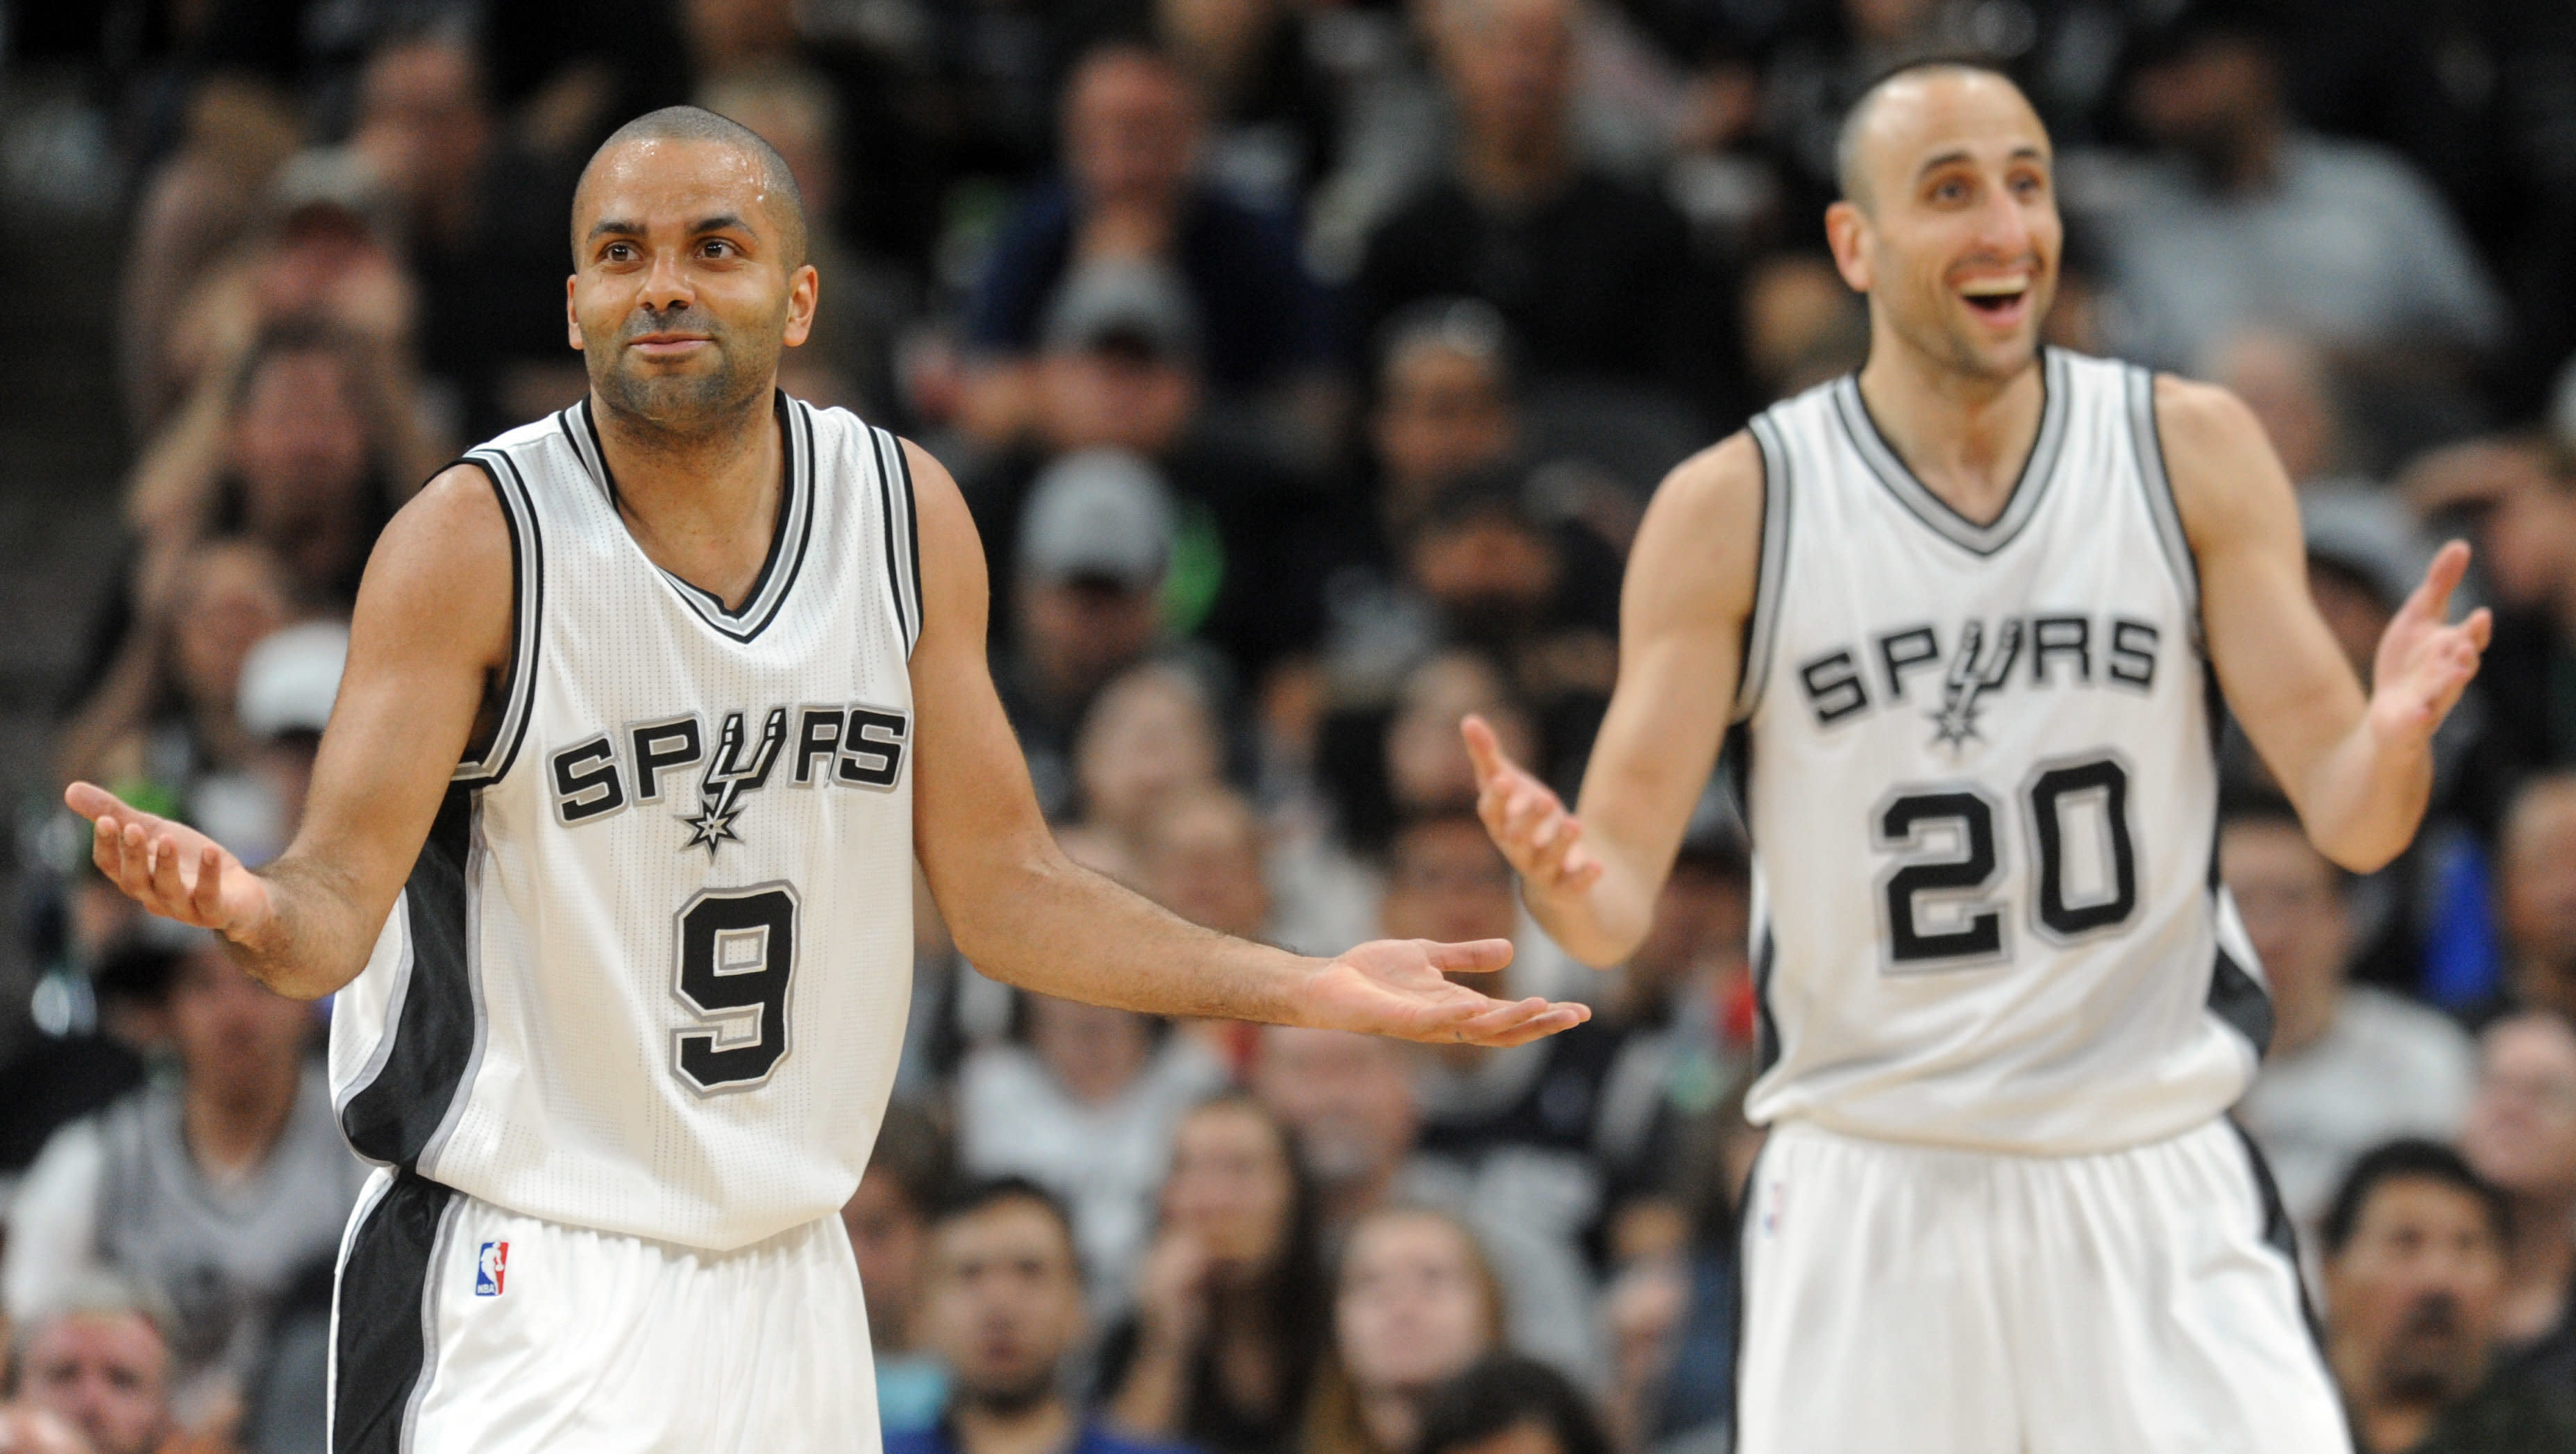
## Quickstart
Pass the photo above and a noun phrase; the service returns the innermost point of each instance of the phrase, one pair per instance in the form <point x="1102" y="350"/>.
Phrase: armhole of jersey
<point x="2167" y="515"/>
<point x="1764" y="621"/>
<point x="902" y="535"/>
<point x="527" y="612"/>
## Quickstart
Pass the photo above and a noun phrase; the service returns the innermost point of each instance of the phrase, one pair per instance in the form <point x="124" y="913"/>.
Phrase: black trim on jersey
<point x="437" y="1029"/>
<point x="1919" y="499"/>
<point x="384" y="1331"/>
<point x="527" y="615"/>
<point x="1762" y="625"/>
<point x="902" y="534"/>
<point x="1766" y="1029"/>
<point x="2147" y="442"/>
<point x="788" y="538"/>
<point x="2279" y="1232"/>
<point x="2239" y="1000"/>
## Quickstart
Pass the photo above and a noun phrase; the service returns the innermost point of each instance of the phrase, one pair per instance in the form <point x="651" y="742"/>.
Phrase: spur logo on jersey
<point x="491" y="1269"/>
<point x="817" y="747"/>
<point x="1976" y="662"/>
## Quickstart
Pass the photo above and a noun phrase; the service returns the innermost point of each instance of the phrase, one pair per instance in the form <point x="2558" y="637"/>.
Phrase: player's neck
<point x="702" y="502"/>
<point x="1966" y="438"/>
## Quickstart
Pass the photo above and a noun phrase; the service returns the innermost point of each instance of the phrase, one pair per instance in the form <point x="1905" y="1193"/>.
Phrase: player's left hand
<point x="2425" y="660"/>
<point x="1401" y="988"/>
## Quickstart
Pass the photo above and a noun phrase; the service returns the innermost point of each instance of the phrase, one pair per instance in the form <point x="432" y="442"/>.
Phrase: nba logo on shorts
<point x="490" y="1268"/>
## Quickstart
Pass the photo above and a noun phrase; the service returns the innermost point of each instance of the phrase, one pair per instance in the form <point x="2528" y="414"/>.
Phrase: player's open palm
<point x="2425" y="659"/>
<point x="1528" y="821"/>
<point x="171" y="868"/>
<point x="1401" y="988"/>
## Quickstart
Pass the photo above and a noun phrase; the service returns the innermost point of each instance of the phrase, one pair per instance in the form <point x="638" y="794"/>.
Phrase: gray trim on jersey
<point x="788" y="543"/>
<point x="902" y="534"/>
<point x="2161" y="508"/>
<point x="384" y="1050"/>
<point x="1762" y="625"/>
<point x="527" y="610"/>
<point x="1918" y="498"/>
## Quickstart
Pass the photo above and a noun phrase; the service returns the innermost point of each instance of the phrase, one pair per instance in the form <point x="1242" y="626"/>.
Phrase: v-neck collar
<point x="1918" y="498"/>
<point x="788" y="539"/>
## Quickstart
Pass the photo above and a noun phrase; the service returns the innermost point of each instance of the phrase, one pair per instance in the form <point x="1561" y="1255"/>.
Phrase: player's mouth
<point x="2002" y="299"/>
<point x="668" y="345"/>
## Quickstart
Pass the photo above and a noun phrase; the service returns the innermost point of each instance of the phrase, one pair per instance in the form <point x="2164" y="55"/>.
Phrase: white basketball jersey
<point x="1978" y="765"/>
<point x="650" y="973"/>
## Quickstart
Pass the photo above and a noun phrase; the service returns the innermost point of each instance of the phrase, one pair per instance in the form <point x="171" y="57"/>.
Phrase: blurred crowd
<point x="1307" y="365"/>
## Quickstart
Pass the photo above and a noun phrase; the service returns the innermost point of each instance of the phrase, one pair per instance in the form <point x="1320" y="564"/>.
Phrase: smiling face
<point x="1950" y="221"/>
<point x="689" y="279"/>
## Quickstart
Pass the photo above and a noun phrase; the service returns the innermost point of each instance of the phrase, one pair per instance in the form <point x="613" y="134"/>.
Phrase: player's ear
<point x="804" y="292"/>
<point x="1845" y="226"/>
<point x="572" y="319"/>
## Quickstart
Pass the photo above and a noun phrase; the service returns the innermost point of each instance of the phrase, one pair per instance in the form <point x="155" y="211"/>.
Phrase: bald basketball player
<point x="1965" y="618"/>
<point x="649" y="707"/>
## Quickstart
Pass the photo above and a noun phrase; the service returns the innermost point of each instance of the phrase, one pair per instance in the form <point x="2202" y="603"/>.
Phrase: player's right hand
<point x="1529" y="823"/>
<point x="171" y="868"/>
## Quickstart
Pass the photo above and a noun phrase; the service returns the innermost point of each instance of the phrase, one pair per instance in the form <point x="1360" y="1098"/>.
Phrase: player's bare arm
<point x="431" y="630"/>
<point x="2358" y="768"/>
<point x="1591" y="880"/>
<point x="1025" y="914"/>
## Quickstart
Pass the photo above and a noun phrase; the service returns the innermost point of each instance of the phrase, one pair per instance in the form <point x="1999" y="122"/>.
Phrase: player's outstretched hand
<point x="2425" y="659"/>
<point x="171" y="868"/>
<point x="1528" y="821"/>
<point x="1401" y="988"/>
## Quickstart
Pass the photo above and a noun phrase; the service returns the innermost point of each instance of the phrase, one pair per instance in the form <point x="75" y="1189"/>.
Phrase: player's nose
<point x="666" y="282"/>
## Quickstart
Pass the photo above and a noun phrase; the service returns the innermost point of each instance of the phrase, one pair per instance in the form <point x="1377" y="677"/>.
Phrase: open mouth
<point x="1999" y="299"/>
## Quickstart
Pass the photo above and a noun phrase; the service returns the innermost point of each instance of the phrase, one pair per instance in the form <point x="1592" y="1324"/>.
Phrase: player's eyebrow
<point x="1958" y="154"/>
<point x="722" y="222"/>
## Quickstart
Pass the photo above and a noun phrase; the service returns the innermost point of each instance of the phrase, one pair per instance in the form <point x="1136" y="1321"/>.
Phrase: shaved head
<point x="785" y="202"/>
<point x="1851" y="159"/>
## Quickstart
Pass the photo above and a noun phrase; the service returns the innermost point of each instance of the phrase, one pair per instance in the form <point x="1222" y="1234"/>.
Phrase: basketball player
<point x="1960" y="615"/>
<point x="649" y="707"/>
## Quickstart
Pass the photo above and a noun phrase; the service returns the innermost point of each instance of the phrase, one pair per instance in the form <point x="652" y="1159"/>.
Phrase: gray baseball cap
<point x="1110" y="302"/>
<point x="1101" y="513"/>
<point x="288" y="680"/>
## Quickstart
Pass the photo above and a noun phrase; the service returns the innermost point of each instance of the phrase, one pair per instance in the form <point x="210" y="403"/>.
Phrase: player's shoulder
<point x="1723" y="478"/>
<point x="2192" y="414"/>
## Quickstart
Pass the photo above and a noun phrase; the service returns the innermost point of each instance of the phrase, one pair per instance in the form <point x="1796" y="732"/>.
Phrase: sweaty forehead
<point x="654" y="180"/>
<point x="1919" y="119"/>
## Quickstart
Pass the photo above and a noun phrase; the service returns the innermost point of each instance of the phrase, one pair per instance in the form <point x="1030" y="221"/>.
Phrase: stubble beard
<point x="682" y="406"/>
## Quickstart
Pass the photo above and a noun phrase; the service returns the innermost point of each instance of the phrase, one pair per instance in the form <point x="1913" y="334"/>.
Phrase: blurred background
<point x="1307" y="365"/>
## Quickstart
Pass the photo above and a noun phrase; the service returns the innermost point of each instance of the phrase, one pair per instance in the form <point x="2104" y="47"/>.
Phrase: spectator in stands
<point x="1094" y="544"/>
<point x="1002" y="1305"/>
<point x="888" y="1222"/>
<point x="98" y="1359"/>
<point x="1131" y="129"/>
<point x="1231" y="1309"/>
<point x="2349" y="1066"/>
<point x="1510" y="1403"/>
<point x="2414" y="1269"/>
<point x="214" y="1192"/>
<point x="2536" y="894"/>
<point x="2245" y="219"/>
<point x="482" y="216"/>
<point x="2287" y="381"/>
<point x="1445" y="405"/>
<point x="1200" y="855"/>
<point x="2521" y="1137"/>
<point x="1150" y="733"/>
<point x="2526" y="498"/>
<point x="1351" y="1101"/>
<point x="1415" y="1304"/>
<point x="1084" y="1102"/>
<point x="167" y="711"/>
<point x="1269" y="110"/>
<point x="1596" y="278"/>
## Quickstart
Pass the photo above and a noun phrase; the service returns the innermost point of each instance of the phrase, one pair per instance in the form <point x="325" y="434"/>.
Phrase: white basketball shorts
<point x="462" y="1327"/>
<point x="1937" y="1301"/>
